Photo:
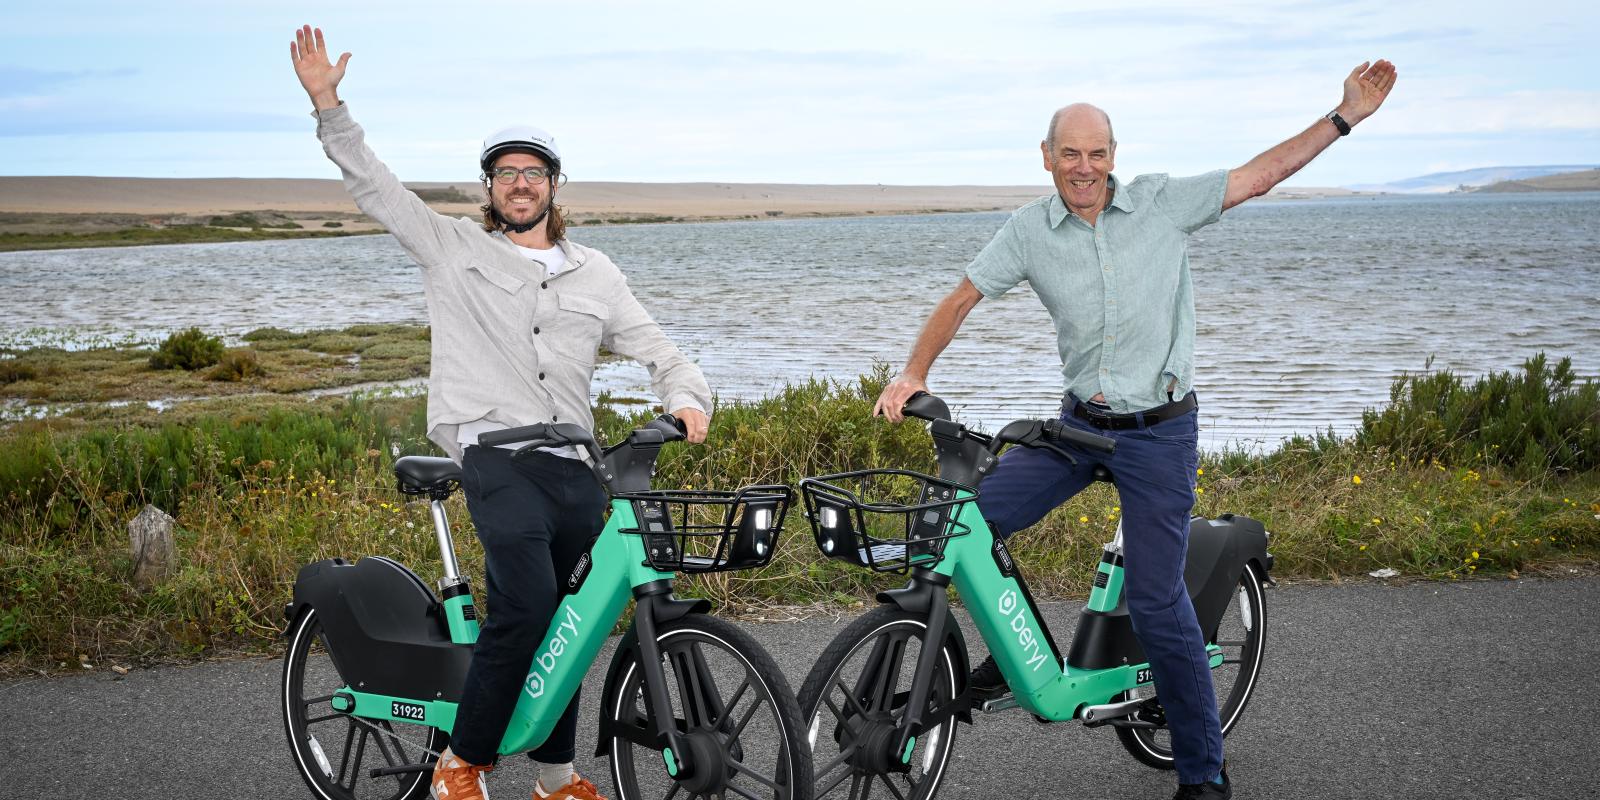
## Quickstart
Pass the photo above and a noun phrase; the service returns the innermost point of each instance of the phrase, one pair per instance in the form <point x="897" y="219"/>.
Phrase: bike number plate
<point x="411" y="711"/>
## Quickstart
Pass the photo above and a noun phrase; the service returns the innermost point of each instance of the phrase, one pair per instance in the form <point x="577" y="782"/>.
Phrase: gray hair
<point x="1050" y="135"/>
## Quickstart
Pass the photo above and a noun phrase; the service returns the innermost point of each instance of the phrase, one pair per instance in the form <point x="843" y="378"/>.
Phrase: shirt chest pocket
<point x="488" y="278"/>
<point x="576" y="324"/>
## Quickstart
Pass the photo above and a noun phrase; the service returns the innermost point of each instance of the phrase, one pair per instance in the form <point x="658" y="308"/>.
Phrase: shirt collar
<point x="1120" y="199"/>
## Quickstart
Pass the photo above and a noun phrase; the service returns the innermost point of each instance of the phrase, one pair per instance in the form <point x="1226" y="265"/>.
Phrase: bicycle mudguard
<point x="385" y="631"/>
<point x="1219" y="549"/>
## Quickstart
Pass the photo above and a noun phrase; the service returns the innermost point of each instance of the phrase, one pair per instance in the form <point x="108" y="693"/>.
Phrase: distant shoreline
<point x="75" y="211"/>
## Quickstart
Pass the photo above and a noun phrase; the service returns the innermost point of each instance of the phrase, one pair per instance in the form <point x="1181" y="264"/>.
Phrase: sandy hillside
<point x="156" y="196"/>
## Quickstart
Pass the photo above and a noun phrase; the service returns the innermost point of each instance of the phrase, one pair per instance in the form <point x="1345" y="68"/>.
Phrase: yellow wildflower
<point x="1083" y="519"/>
<point x="1355" y="479"/>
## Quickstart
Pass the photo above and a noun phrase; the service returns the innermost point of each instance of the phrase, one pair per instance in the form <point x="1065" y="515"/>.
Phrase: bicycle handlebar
<point x="1046" y="434"/>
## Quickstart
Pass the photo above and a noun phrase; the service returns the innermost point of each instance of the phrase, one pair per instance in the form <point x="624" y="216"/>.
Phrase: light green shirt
<point x="1118" y="291"/>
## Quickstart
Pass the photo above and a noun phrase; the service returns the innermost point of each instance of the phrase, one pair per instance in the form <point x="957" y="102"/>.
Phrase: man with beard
<point x="1109" y="261"/>
<point x="518" y="314"/>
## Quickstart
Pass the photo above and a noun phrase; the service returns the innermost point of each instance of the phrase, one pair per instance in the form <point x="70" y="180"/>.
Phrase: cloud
<point x="18" y="81"/>
<point x="32" y="117"/>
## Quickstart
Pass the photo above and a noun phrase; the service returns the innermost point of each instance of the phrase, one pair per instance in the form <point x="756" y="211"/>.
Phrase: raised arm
<point x="1364" y="90"/>
<point x="936" y="334"/>
<point x="424" y="233"/>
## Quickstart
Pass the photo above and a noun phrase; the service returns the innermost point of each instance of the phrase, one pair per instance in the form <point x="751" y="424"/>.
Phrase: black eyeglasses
<point x="509" y="175"/>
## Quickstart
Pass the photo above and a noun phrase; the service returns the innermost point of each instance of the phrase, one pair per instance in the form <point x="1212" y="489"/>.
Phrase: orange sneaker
<point x="578" y="789"/>
<point x="454" y="779"/>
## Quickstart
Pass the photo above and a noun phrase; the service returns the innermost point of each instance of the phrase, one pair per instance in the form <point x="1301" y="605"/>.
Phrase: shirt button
<point x="536" y="330"/>
<point x="555" y="417"/>
<point x="1111" y="338"/>
<point x="544" y="285"/>
<point x="541" y="376"/>
<point x="1104" y="371"/>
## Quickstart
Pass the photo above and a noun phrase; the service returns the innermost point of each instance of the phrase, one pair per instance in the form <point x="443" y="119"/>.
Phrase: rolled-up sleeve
<point x="1193" y="202"/>
<point x="1000" y="265"/>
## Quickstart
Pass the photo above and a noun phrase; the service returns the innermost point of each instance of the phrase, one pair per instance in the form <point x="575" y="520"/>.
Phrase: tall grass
<point x="260" y="487"/>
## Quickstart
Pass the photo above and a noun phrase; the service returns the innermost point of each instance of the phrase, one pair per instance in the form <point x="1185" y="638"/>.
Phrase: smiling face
<point x="520" y="202"/>
<point x="1079" y="155"/>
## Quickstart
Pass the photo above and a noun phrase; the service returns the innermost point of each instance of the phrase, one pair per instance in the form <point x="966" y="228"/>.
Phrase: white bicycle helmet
<point x="520" y="137"/>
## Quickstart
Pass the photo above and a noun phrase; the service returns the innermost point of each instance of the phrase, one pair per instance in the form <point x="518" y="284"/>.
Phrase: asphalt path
<point x="1447" y="690"/>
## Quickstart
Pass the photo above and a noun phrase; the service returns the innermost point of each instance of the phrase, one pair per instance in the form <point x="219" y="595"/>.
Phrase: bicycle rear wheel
<point x="333" y="751"/>
<point x="733" y="706"/>
<point x="1242" y="637"/>
<point x="855" y="698"/>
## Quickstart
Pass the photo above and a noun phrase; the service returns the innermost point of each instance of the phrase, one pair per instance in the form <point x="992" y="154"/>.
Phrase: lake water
<point x="1306" y="309"/>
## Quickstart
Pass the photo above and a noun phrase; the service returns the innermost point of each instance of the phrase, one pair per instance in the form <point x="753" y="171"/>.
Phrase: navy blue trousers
<point x="1154" y="467"/>
<point x="535" y="518"/>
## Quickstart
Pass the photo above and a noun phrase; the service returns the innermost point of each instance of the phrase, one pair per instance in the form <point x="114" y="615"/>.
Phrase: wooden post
<point x="154" y="554"/>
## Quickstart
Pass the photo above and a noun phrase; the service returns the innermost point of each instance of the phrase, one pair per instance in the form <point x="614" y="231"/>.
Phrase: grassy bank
<point x="261" y="485"/>
<point x="286" y="363"/>
<point x="181" y="234"/>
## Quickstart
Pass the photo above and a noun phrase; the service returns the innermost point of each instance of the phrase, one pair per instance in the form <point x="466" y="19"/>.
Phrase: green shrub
<point x="190" y="349"/>
<point x="332" y="224"/>
<point x="237" y="365"/>
<point x="13" y="370"/>
<point x="1539" y="419"/>
<point x="240" y="220"/>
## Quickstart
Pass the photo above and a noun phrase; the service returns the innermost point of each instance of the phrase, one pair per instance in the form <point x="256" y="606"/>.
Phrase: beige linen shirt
<point x="511" y="344"/>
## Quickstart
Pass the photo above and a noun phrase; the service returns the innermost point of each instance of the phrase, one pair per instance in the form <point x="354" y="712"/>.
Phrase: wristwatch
<point x="1338" y="122"/>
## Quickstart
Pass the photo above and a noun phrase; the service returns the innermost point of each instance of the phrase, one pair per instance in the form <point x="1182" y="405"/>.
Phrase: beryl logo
<point x="1026" y="638"/>
<point x="557" y="643"/>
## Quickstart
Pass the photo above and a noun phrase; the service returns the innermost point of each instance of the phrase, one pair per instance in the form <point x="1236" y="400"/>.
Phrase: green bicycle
<point x="692" y="706"/>
<point x="883" y="701"/>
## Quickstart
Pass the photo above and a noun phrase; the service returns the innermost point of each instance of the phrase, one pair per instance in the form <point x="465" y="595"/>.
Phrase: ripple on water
<point x="1305" y="310"/>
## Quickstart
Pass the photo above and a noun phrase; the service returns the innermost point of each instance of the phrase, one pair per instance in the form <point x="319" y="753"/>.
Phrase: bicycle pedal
<point x="998" y="704"/>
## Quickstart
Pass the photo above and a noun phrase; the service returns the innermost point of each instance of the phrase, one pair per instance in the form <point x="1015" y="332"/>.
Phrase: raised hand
<point x="1366" y="89"/>
<point x="319" y="75"/>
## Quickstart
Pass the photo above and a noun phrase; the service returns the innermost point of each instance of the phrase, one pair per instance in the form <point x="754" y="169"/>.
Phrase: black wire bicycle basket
<point x="887" y="520"/>
<point x="694" y="530"/>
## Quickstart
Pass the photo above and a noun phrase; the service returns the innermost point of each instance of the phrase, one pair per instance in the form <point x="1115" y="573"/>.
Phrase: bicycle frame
<point x="614" y="569"/>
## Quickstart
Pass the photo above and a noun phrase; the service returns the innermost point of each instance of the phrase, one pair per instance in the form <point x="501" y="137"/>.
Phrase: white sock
<point x="554" y="776"/>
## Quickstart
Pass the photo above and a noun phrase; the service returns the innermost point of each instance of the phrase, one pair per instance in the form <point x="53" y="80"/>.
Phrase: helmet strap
<point x="526" y="226"/>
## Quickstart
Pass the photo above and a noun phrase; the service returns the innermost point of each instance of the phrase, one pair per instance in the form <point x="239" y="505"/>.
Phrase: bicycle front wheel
<point x="1242" y="637"/>
<point x="737" y="713"/>
<point x="854" y="702"/>
<point x="334" y="752"/>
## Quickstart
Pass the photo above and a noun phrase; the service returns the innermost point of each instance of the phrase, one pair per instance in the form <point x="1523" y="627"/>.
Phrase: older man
<point x="1109" y="261"/>
<point x="518" y="313"/>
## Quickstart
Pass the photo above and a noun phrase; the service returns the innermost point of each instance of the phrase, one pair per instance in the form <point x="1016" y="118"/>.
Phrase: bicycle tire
<point x="1243" y="627"/>
<point x="861" y="731"/>
<point x="707" y="646"/>
<point x="305" y="716"/>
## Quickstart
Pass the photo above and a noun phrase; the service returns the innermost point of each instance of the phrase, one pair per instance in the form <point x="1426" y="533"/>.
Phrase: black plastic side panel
<point x="1218" y="552"/>
<point x="385" y="631"/>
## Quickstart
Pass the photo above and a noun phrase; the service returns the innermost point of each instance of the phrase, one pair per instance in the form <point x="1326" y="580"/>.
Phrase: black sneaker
<point x="986" y="682"/>
<point x="1207" y="790"/>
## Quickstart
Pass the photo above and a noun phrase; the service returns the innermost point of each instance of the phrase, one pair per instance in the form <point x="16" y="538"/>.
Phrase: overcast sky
<point x="813" y="92"/>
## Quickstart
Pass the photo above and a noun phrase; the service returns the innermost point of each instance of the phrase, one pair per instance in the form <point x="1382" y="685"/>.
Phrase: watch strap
<point x="1338" y="122"/>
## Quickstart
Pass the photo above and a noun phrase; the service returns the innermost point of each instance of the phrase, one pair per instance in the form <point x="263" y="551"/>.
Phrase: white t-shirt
<point x="554" y="260"/>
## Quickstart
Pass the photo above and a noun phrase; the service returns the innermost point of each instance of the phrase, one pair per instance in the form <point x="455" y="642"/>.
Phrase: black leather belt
<point x="1121" y="422"/>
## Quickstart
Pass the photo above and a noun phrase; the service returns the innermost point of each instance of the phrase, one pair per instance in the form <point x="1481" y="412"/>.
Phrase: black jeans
<point x="535" y="518"/>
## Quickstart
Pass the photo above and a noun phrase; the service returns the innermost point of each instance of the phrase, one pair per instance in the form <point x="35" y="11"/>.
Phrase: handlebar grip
<point x="1055" y="431"/>
<point x="672" y="429"/>
<point x="923" y="405"/>
<point x="538" y="432"/>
